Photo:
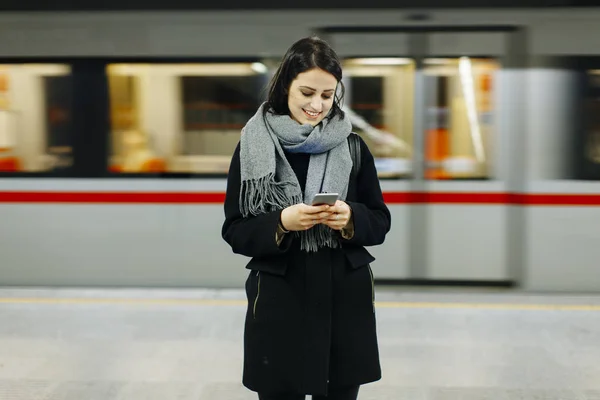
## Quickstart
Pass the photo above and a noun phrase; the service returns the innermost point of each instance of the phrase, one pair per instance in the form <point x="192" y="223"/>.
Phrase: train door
<point x="429" y="104"/>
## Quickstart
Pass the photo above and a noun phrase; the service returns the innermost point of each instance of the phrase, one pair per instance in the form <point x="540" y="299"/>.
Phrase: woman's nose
<point x="316" y="104"/>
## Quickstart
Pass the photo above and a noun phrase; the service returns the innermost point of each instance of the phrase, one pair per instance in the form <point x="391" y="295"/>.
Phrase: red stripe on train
<point x="446" y="198"/>
<point x="498" y="198"/>
<point x="112" y="197"/>
<point x="561" y="199"/>
<point x="531" y="199"/>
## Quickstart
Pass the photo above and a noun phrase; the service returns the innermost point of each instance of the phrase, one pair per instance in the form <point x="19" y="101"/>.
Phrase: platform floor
<point x="139" y="344"/>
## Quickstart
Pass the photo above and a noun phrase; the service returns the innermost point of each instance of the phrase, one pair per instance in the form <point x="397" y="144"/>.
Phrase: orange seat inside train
<point x="155" y="165"/>
<point x="10" y="164"/>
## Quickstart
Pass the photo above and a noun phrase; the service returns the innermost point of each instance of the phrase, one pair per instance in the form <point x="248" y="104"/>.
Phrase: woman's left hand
<point x="341" y="213"/>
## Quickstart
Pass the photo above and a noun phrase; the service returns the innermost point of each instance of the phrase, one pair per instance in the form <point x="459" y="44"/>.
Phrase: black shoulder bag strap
<point x="354" y="143"/>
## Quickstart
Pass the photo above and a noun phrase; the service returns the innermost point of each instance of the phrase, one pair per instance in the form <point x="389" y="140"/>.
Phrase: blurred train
<point x="116" y="131"/>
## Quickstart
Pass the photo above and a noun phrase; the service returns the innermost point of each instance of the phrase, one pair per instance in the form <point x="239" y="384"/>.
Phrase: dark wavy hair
<point x="307" y="53"/>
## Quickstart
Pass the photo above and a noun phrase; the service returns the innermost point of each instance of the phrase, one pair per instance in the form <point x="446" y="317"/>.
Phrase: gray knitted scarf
<point x="270" y="184"/>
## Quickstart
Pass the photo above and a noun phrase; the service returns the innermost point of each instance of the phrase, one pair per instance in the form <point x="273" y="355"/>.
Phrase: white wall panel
<point x="562" y="249"/>
<point x="394" y="255"/>
<point x="550" y="133"/>
<point x="146" y="38"/>
<point x="466" y="242"/>
<point x="467" y="44"/>
<point x="374" y="44"/>
<point x="576" y="35"/>
<point x="118" y="245"/>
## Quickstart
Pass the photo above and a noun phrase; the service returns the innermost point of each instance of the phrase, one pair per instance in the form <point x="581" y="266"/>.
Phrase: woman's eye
<point x="326" y="97"/>
<point x="307" y="94"/>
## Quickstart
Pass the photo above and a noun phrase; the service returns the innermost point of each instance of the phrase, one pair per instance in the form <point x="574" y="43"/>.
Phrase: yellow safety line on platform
<point x="140" y="301"/>
<point x="225" y="302"/>
<point x="498" y="306"/>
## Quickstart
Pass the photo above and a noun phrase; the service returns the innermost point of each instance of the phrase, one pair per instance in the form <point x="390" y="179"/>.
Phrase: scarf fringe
<point x="264" y="195"/>
<point x="316" y="237"/>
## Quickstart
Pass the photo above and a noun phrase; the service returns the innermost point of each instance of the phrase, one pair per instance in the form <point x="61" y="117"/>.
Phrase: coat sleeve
<point x="371" y="217"/>
<point x="251" y="236"/>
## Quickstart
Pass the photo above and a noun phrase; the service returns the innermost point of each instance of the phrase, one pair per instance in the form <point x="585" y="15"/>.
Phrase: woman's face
<point x="311" y="96"/>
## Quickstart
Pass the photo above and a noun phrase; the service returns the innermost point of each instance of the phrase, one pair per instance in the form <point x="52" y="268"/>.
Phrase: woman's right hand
<point x="301" y="217"/>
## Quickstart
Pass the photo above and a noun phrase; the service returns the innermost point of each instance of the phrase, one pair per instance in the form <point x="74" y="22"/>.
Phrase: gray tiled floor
<point x="175" y="344"/>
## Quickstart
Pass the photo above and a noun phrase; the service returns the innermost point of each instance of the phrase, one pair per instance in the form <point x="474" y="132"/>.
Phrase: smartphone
<point x="325" y="198"/>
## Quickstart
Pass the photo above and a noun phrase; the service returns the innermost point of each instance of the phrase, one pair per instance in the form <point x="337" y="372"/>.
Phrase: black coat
<point x="310" y="320"/>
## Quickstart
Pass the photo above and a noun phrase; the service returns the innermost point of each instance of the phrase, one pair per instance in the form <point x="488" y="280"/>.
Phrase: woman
<point x="310" y="323"/>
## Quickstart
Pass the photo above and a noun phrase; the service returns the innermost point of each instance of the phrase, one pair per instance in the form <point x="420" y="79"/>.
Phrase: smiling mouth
<point x="310" y="114"/>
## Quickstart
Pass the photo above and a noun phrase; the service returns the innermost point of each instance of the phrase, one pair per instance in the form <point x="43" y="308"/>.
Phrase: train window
<point x="563" y="127"/>
<point x="458" y="117"/>
<point x="587" y="159"/>
<point x="379" y="100"/>
<point x="180" y="118"/>
<point x="35" y="118"/>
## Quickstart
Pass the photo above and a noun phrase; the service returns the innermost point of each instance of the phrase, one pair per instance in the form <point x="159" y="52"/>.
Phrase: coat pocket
<point x="276" y="265"/>
<point x="358" y="256"/>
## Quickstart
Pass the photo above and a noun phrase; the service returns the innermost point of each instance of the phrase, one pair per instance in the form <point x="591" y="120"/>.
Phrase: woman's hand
<point x="301" y="217"/>
<point x="340" y="216"/>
